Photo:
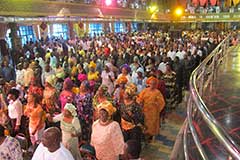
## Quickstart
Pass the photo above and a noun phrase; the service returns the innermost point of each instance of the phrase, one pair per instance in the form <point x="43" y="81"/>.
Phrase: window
<point x="134" y="27"/>
<point x="60" y="31"/>
<point x="95" y="29"/>
<point x="119" y="27"/>
<point x="26" y="33"/>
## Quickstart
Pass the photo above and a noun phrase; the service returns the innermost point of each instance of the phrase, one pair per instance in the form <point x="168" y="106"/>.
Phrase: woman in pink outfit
<point x="107" y="134"/>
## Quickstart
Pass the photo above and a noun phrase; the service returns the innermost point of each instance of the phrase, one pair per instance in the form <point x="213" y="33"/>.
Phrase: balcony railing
<point x="201" y="81"/>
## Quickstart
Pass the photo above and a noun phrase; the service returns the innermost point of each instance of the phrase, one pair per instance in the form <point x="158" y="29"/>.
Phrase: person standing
<point x="71" y="129"/>
<point x="153" y="103"/>
<point x="15" y="110"/>
<point x="83" y="102"/>
<point x="107" y="134"/>
<point x="36" y="117"/>
<point x="108" y="78"/>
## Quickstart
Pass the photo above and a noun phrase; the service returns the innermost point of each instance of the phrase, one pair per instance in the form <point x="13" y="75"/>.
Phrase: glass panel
<point x="119" y="27"/>
<point x="95" y="29"/>
<point x="60" y="31"/>
<point x="26" y="34"/>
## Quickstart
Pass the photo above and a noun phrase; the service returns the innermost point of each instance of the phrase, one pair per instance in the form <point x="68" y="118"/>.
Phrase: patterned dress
<point x="132" y="121"/>
<point x="171" y="96"/>
<point x="10" y="149"/>
<point x="107" y="140"/>
<point x="49" y="100"/>
<point x="153" y="103"/>
<point x="85" y="113"/>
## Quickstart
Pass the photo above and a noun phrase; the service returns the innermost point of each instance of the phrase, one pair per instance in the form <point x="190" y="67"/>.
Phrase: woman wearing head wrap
<point x="139" y="79"/>
<point x="107" y="134"/>
<point x="132" y="118"/>
<point x="101" y="95"/>
<point x="152" y="102"/>
<point x="125" y="71"/>
<point x="108" y="78"/>
<point x="119" y="92"/>
<point x="93" y="74"/>
<point x="66" y="95"/>
<point x="83" y="102"/>
<point x="50" y="96"/>
<point x="70" y="127"/>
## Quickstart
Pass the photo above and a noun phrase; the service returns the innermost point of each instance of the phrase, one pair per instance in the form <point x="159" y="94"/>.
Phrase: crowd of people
<point x="99" y="97"/>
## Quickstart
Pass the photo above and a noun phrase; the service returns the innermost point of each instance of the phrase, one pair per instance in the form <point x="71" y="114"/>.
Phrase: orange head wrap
<point x="151" y="79"/>
<point x="122" y="79"/>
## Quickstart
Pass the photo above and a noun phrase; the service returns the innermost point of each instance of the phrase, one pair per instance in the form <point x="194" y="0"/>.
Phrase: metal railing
<point x="202" y="78"/>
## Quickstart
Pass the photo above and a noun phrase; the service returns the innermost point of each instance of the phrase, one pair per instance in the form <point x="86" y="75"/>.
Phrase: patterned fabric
<point x="131" y="116"/>
<point x="171" y="96"/>
<point x="10" y="149"/>
<point x="49" y="100"/>
<point x="107" y="140"/>
<point x="85" y="113"/>
<point x="153" y="103"/>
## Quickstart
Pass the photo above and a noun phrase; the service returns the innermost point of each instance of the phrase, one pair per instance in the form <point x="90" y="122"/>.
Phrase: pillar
<point x="70" y="30"/>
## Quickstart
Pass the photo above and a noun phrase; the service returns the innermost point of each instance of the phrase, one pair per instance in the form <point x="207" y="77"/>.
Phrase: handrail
<point x="220" y="133"/>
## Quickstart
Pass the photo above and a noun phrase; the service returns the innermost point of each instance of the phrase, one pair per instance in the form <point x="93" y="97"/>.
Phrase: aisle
<point x="162" y="147"/>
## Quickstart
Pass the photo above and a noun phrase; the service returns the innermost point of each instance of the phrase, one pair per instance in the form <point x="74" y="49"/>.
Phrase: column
<point x="70" y="30"/>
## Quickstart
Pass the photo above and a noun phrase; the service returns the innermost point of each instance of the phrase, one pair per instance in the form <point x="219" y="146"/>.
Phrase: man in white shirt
<point x="51" y="147"/>
<point x="171" y="53"/>
<point x="180" y="54"/>
<point x="15" y="110"/>
<point x="162" y="66"/>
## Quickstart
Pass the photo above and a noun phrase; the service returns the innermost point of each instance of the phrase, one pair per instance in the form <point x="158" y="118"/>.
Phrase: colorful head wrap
<point x="126" y="67"/>
<point x="92" y="65"/>
<point x="151" y="79"/>
<point x="82" y="77"/>
<point x="71" y="108"/>
<point x="51" y="80"/>
<point x="122" y="80"/>
<point x="106" y="105"/>
<point x="131" y="90"/>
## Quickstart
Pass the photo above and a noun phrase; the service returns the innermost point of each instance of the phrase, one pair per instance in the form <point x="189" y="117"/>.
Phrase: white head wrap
<point x="71" y="108"/>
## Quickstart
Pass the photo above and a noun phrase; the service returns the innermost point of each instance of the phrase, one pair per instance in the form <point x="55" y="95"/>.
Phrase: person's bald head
<point x="51" y="138"/>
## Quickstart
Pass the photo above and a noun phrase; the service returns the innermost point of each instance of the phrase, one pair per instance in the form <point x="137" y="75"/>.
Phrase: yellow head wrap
<point x="131" y="89"/>
<point x="106" y="105"/>
<point x="92" y="65"/>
